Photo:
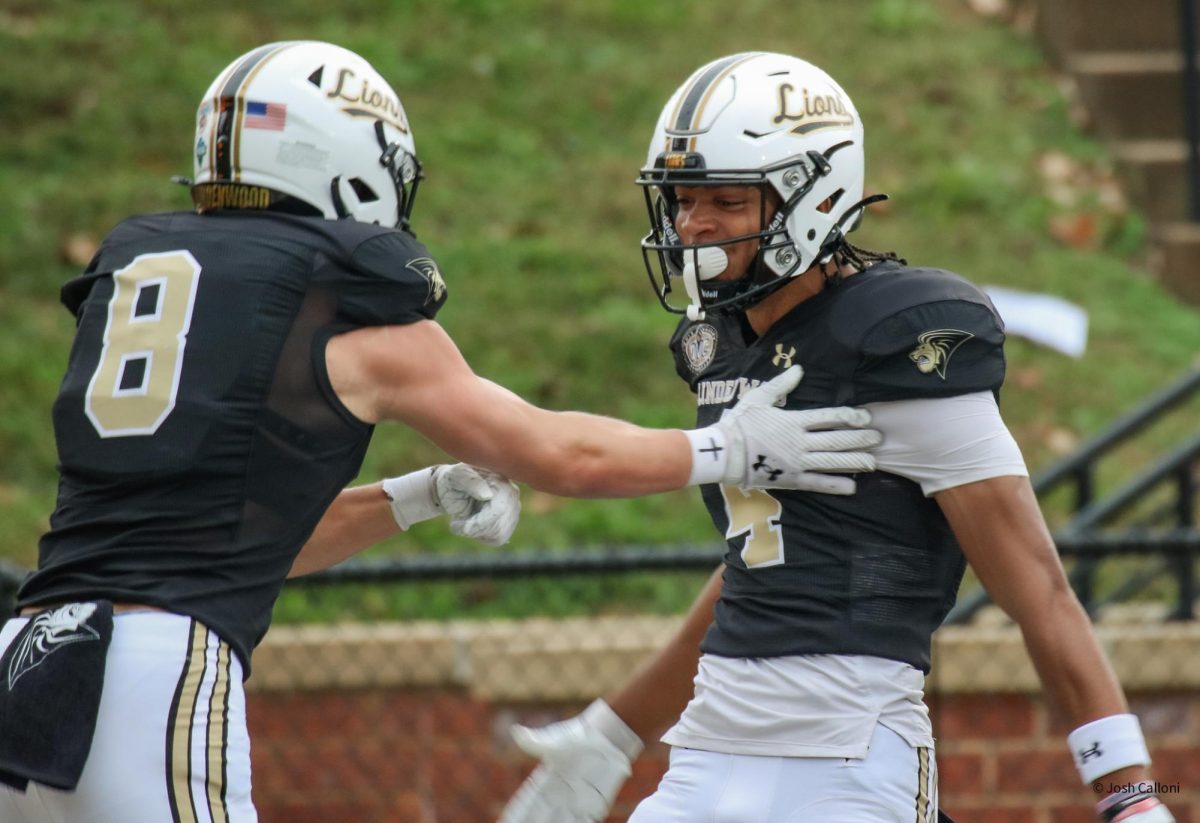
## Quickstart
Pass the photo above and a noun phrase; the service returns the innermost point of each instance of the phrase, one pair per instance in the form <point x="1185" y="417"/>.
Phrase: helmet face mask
<point x="769" y="121"/>
<point x="306" y="127"/>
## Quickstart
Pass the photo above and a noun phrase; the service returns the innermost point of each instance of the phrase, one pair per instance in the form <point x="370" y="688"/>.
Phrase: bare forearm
<point x="1007" y="542"/>
<point x="587" y="455"/>
<point x="357" y="519"/>
<point x="568" y="453"/>
<point x="651" y="700"/>
<point x="1073" y="669"/>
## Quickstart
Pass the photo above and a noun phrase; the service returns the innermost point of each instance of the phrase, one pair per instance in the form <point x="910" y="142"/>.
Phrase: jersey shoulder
<point x="918" y="332"/>
<point x="127" y="240"/>
<point x="382" y="275"/>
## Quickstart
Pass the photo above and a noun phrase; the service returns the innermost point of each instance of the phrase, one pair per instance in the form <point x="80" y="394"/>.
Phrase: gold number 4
<point x="756" y="514"/>
<point x="133" y="389"/>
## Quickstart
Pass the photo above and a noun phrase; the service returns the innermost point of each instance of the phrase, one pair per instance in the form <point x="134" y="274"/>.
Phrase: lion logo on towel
<point x="50" y="632"/>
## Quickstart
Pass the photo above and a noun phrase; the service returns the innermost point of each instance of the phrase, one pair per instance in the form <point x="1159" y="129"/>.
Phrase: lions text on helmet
<point x="758" y="119"/>
<point x="309" y="128"/>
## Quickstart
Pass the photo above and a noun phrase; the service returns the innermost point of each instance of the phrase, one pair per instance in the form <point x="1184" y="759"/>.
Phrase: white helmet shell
<point x="767" y="119"/>
<point x="308" y="120"/>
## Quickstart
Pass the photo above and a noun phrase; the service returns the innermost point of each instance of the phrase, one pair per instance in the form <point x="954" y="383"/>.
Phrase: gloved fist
<point x="770" y="447"/>
<point x="481" y="504"/>
<point x="1133" y="807"/>
<point x="585" y="761"/>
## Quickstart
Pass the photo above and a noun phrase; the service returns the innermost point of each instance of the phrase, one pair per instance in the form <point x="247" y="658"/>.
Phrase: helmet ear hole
<point x="831" y="202"/>
<point x="365" y="193"/>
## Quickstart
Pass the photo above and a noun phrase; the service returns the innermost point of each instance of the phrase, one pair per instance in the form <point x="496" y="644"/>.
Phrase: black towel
<point x="50" y="681"/>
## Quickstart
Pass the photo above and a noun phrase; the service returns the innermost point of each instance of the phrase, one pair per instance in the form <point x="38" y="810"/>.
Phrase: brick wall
<point x="409" y="723"/>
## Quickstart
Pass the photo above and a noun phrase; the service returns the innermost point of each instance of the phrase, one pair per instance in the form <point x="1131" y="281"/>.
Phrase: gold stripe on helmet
<point x="236" y="158"/>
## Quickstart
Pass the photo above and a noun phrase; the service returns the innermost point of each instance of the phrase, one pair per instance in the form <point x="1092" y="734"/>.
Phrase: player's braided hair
<point x="859" y="258"/>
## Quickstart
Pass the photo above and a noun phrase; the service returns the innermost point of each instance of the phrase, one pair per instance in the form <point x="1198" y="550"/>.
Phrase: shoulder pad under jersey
<point x="920" y="333"/>
<point x="391" y="278"/>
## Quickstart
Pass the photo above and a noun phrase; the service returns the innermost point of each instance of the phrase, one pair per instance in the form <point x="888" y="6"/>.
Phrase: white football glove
<point x="756" y="444"/>
<point x="481" y="504"/>
<point x="585" y="761"/>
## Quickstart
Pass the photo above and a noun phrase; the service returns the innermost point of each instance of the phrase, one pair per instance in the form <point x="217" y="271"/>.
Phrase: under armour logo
<point x="761" y="466"/>
<point x="1087" y="754"/>
<point x="783" y="359"/>
<point x="713" y="449"/>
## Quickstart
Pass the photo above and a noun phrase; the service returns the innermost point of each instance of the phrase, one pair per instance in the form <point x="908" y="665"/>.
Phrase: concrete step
<point x="1180" y="266"/>
<point x="1066" y="26"/>
<point x="1131" y="95"/>
<point x="1155" y="177"/>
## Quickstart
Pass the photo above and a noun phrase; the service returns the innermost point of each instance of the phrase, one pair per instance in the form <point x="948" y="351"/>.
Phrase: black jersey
<point x="875" y="572"/>
<point x="199" y="439"/>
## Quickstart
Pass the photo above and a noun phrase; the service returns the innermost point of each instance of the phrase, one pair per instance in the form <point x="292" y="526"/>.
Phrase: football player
<point x="807" y="653"/>
<point x="227" y="372"/>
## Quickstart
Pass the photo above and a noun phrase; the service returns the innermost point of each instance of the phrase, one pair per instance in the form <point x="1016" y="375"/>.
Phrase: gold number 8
<point x="134" y="387"/>
<point x="755" y="513"/>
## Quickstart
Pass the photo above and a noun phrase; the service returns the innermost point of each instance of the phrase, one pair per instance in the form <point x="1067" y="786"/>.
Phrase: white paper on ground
<point x="1042" y="318"/>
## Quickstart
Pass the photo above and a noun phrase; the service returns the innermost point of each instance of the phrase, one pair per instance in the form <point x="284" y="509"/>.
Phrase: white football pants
<point x="171" y="743"/>
<point x="894" y="783"/>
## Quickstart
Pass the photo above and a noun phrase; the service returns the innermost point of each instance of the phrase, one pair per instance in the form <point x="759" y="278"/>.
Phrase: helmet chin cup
<point x="703" y="263"/>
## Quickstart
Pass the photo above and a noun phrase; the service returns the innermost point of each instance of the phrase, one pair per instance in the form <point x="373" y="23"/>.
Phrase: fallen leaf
<point x="1075" y="230"/>
<point x="1061" y="441"/>
<point x="536" y="502"/>
<point x="79" y="249"/>
<point x="990" y="8"/>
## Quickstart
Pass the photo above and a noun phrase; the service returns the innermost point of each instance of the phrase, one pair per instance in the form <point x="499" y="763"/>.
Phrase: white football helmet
<point x="307" y="127"/>
<point x="759" y="119"/>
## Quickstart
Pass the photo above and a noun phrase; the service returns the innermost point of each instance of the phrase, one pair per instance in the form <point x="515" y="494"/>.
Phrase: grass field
<point x="532" y="118"/>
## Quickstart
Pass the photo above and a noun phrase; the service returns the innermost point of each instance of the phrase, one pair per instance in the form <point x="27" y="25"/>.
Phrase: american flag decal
<point x="270" y="116"/>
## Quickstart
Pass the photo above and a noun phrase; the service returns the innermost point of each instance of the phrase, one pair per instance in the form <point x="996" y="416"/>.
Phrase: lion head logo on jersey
<point x="428" y="269"/>
<point x="699" y="346"/>
<point x="934" y="349"/>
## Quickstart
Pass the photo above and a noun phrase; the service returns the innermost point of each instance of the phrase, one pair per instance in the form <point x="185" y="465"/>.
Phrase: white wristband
<point x="412" y="497"/>
<point x="1108" y="744"/>
<point x="600" y="716"/>
<point x="710" y="455"/>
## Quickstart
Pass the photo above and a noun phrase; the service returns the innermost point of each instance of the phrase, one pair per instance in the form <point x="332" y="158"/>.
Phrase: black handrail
<point x="1125" y="427"/>
<point x="1172" y="466"/>
<point x="619" y="559"/>
<point x="1079" y="467"/>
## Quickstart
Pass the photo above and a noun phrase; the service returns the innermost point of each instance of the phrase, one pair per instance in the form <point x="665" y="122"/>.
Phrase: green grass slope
<point x="532" y="118"/>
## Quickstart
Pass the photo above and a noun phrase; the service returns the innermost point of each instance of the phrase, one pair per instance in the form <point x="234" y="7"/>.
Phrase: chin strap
<point x="691" y="285"/>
